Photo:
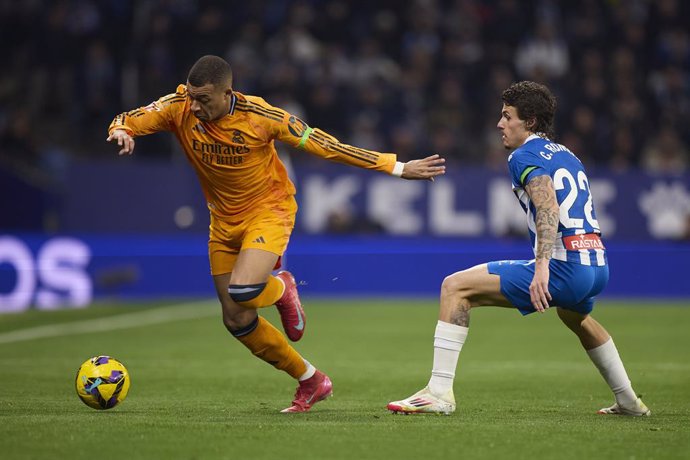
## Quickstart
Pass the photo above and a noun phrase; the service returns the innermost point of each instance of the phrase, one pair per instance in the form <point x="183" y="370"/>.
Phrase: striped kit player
<point x="568" y="271"/>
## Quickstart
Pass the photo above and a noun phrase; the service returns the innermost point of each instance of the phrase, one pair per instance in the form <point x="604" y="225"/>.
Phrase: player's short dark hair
<point x="533" y="102"/>
<point x="210" y="69"/>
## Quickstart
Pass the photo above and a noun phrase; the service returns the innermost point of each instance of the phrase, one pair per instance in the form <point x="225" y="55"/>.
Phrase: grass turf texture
<point x="524" y="388"/>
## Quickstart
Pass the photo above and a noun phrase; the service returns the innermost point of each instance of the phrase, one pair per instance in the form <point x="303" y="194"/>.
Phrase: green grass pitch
<point x="524" y="387"/>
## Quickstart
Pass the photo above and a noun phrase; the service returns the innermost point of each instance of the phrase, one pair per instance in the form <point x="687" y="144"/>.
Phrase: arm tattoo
<point x="543" y="194"/>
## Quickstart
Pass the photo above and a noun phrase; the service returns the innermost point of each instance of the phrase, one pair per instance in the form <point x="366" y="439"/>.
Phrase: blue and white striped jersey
<point x="539" y="156"/>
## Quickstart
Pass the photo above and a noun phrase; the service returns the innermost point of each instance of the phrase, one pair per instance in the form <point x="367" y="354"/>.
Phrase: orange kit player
<point x="228" y="137"/>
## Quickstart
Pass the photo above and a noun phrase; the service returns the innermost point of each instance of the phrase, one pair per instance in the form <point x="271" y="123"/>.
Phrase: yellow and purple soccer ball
<point x="102" y="382"/>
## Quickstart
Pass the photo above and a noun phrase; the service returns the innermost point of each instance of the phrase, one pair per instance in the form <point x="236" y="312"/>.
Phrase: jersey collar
<point x="233" y="102"/>
<point x="531" y="137"/>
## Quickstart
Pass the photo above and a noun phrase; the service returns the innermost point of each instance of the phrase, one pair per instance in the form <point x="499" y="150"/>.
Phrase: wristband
<point x="398" y="169"/>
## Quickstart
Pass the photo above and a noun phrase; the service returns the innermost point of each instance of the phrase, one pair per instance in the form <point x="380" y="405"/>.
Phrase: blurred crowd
<point x="415" y="77"/>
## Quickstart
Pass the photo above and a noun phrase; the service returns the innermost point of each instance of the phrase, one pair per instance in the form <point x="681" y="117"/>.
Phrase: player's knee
<point x="240" y="324"/>
<point x="454" y="285"/>
<point x="563" y="314"/>
<point x="246" y="295"/>
<point x="570" y="318"/>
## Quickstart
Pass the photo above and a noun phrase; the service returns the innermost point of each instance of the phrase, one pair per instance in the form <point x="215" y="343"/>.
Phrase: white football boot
<point x="638" y="410"/>
<point x="424" y="402"/>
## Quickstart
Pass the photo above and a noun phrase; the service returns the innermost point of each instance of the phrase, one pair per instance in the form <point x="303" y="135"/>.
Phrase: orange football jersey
<point x="235" y="157"/>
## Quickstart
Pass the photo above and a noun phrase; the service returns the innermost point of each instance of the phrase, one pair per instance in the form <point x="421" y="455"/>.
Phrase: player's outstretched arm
<point x="123" y="140"/>
<point x="155" y="117"/>
<point x="425" y="168"/>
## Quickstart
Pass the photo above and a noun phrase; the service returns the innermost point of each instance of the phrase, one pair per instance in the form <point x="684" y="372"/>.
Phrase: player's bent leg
<point x="281" y="290"/>
<point x="268" y="344"/>
<point x="603" y="352"/>
<point x="460" y="292"/>
<point x="474" y="287"/>
<point x="257" y="334"/>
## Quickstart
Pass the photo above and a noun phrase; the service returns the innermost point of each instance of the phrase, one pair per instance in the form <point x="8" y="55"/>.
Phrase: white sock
<point x="606" y="358"/>
<point x="311" y="370"/>
<point x="448" y="341"/>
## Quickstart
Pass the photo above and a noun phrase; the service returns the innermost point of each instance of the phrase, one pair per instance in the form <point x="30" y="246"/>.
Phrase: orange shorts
<point x="268" y="229"/>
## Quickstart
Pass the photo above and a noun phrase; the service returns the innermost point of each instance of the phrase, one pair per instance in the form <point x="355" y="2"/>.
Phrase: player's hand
<point x="124" y="140"/>
<point x="539" y="288"/>
<point x="426" y="168"/>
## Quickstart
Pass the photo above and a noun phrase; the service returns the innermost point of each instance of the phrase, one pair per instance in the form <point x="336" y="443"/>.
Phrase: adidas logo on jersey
<point x="199" y="127"/>
<point x="259" y="240"/>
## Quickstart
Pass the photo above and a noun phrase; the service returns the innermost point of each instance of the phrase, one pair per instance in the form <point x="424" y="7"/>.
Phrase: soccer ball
<point x="102" y="382"/>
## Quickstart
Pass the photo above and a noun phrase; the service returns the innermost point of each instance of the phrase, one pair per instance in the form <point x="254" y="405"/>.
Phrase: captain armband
<point x="525" y="173"/>
<point x="305" y="137"/>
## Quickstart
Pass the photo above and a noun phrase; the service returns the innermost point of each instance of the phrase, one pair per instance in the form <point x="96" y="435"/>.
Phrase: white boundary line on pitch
<point x="191" y="310"/>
